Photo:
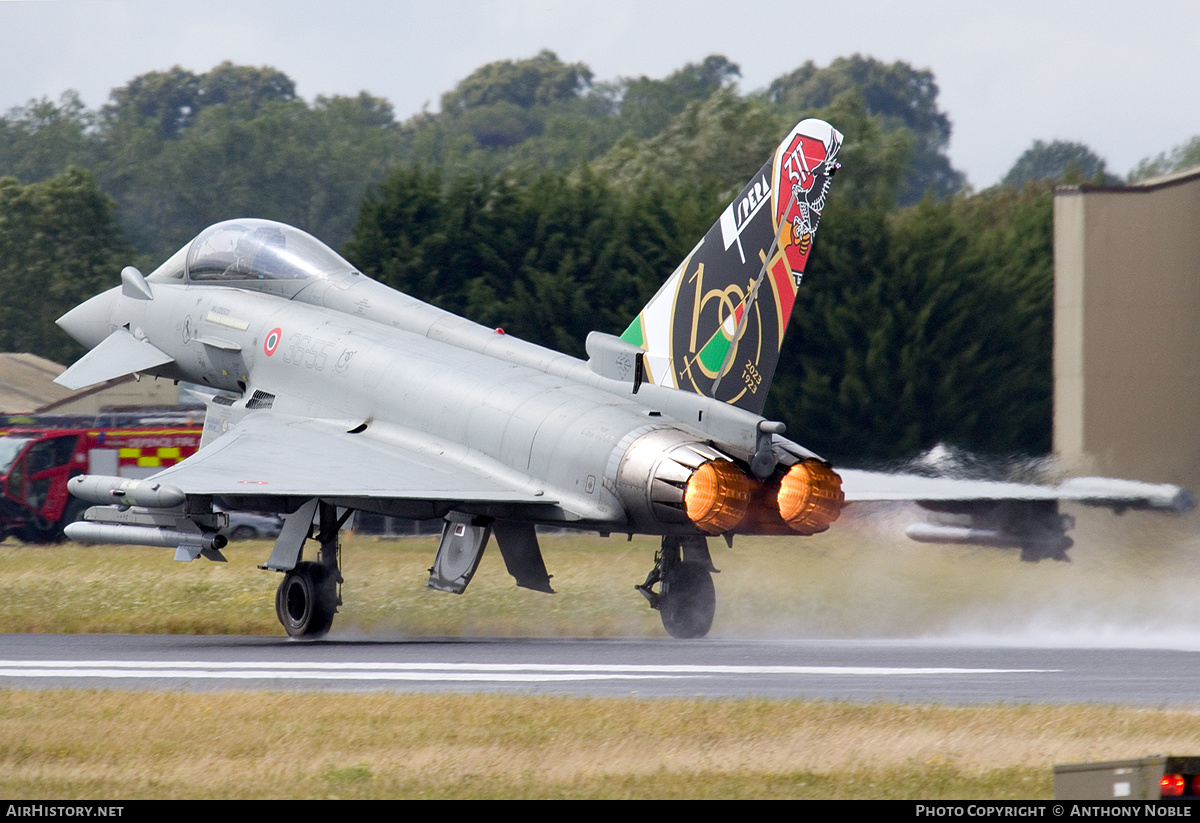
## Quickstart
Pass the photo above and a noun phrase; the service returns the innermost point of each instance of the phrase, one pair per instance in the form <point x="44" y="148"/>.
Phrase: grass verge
<point x="106" y="744"/>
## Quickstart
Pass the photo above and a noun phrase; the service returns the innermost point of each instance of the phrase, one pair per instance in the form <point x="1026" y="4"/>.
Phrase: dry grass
<point x="80" y="744"/>
<point x="1132" y="578"/>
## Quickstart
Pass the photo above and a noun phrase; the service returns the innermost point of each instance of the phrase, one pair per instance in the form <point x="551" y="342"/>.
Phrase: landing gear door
<point x="461" y="547"/>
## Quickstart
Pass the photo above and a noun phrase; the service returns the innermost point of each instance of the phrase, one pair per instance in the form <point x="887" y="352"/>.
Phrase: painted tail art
<point x="716" y="326"/>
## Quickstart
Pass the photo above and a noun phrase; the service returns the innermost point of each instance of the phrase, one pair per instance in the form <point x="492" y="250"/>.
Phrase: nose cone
<point x="91" y="321"/>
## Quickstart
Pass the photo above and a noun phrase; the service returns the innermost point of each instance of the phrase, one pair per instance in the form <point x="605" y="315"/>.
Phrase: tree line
<point x="549" y="203"/>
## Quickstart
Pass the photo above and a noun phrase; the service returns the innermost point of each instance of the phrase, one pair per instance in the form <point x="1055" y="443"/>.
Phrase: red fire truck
<point x="40" y="453"/>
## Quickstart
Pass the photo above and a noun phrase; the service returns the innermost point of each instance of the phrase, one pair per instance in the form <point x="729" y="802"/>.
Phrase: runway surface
<point x="906" y="671"/>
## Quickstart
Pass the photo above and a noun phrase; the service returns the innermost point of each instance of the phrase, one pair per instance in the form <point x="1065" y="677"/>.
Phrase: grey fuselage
<point x="346" y="348"/>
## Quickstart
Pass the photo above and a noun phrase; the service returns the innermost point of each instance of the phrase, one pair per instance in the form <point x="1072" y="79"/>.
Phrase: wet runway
<point x="905" y="671"/>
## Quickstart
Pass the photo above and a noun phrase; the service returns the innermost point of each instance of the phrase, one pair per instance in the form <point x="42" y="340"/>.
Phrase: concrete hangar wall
<point x="1127" y="329"/>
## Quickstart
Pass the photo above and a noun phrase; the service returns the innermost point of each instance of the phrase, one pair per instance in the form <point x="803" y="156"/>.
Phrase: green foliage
<point x="1179" y="158"/>
<point x="308" y="166"/>
<point x="875" y="158"/>
<point x="40" y="139"/>
<point x="174" y="99"/>
<point x="1058" y="161"/>
<point x="929" y="324"/>
<point x="502" y="105"/>
<point x="897" y="92"/>
<point x="647" y="105"/>
<point x="59" y="246"/>
<point x="304" y="165"/>
<point x="543" y="80"/>
<point x="903" y="97"/>
<point x="543" y="113"/>
<point x="179" y="151"/>
<point x="714" y="144"/>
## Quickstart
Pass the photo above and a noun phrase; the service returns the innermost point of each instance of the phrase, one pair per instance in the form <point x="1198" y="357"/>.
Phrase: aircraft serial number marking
<point x="303" y="349"/>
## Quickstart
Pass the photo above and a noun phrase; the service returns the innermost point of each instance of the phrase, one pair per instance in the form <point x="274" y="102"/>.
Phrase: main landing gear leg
<point x="686" y="599"/>
<point x="310" y="593"/>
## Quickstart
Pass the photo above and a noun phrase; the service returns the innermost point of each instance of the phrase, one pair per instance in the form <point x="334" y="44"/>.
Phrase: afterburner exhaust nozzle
<point x="717" y="496"/>
<point x="667" y="481"/>
<point x="810" y="497"/>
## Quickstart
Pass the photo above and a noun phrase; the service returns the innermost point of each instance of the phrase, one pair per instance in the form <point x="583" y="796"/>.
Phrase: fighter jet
<point x="336" y="394"/>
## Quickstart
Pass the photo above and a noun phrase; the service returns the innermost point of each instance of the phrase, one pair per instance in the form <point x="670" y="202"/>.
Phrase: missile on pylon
<point x="87" y="532"/>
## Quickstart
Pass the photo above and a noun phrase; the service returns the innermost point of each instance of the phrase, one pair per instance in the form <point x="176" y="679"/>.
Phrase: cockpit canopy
<point x="259" y="250"/>
<point x="248" y="251"/>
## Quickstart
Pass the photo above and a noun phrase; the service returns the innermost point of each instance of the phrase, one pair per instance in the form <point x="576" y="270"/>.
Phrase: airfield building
<point x="1126" y="336"/>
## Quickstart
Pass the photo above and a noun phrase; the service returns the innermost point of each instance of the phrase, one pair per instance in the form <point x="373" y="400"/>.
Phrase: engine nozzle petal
<point x="717" y="496"/>
<point x="810" y="497"/>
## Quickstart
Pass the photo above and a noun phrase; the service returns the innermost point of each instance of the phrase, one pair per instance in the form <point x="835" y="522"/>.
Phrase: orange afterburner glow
<point x="717" y="496"/>
<point x="810" y="497"/>
<point x="720" y="497"/>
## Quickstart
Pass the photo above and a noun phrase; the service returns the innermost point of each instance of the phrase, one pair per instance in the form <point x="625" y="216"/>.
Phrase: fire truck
<point x="40" y="453"/>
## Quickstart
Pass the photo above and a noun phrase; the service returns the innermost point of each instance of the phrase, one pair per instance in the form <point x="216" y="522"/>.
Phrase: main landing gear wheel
<point x="688" y="601"/>
<point x="307" y="600"/>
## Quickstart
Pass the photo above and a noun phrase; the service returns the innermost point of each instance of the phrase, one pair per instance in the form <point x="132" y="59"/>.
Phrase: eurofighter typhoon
<point x="335" y="394"/>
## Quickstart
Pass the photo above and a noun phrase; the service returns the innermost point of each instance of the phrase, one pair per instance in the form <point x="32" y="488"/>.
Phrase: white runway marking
<point x="462" y="672"/>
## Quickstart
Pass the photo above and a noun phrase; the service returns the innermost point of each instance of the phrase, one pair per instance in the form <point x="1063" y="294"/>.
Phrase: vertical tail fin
<point x="716" y="326"/>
